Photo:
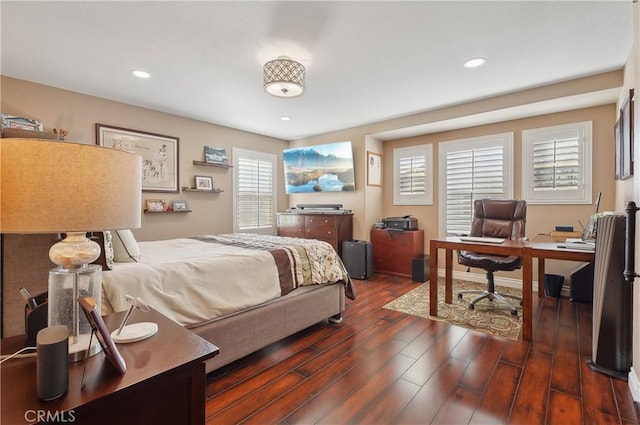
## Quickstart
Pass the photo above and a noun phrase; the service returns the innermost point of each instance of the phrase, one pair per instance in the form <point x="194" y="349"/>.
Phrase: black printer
<point x="400" y="223"/>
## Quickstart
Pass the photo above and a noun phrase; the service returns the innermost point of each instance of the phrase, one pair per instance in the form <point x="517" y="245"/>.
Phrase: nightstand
<point x="164" y="381"/>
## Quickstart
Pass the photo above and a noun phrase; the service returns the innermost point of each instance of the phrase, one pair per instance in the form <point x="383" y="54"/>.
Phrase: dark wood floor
<point x="384" y="367"/>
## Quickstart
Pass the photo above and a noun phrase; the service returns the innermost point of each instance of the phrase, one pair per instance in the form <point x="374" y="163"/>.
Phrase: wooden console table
<point x="164" y="381"/>
<point x="526" y="250"/>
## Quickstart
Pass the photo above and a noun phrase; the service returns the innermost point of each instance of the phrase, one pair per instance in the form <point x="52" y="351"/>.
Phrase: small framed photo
<point x="12" y="121"/>
<point x="180" y="205"/>
<point x="203" y="182"/>
<point x="155" y="205"/>
<point x="215" y="155"/>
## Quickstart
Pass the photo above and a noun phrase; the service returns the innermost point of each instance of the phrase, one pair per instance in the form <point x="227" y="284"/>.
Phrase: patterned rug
<point x="489" y="317"/>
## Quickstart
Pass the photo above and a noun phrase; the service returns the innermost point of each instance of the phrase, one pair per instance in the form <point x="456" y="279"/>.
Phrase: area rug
<point x="490" y="317"/>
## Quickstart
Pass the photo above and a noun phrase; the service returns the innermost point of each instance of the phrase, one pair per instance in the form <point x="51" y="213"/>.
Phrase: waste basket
<point x="553" y="285"/>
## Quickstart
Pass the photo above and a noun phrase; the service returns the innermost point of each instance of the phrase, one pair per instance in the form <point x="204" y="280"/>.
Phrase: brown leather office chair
<point x="495" y="218"/>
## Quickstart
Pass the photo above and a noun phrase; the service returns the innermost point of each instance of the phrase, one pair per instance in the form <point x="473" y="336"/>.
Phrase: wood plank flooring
<point x="384" y="367"/>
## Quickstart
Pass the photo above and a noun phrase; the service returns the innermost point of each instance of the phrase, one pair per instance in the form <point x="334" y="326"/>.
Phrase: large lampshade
<point x="50" y="186"/>
<point x="284" y="77"/>
<point x="72" y="188"/>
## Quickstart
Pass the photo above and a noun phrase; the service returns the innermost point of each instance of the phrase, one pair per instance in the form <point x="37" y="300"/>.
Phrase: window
<point x="470" y="169"/>
<point x="556" y="164"/>
<point x="413" y="175"/>
<point x="254" y="191"/>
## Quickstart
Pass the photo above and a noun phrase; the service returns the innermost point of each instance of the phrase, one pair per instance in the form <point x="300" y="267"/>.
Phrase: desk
<point x="164" y="381"/>
<point x="526" y="250"/>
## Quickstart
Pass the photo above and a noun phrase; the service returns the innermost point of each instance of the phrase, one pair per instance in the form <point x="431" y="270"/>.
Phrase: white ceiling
<point x="366" y="61"/>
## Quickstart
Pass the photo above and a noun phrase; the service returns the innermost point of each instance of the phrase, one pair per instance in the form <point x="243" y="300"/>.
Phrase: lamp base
<point x="135" y="332"/>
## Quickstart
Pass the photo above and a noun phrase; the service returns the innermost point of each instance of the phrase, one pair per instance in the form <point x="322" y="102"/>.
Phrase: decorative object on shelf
<point x="180" y="205"/>
<point x="159" y="154"/>
<point x="51" y="187"/>
<point x="203" y="182"/>
<point x="284" y="77"/>
<point x="61" y="134"/>
<point x="374" y="169"/>
<point x="12" y="121"/>
<point x="214" y="155"/>
<point x="155" y="205"/>
<point x="626" y="137"/>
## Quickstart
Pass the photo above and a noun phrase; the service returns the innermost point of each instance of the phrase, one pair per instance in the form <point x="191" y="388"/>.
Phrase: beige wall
<point x="78" y="114"/>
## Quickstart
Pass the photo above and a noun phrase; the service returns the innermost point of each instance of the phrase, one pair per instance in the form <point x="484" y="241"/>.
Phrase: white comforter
<point x="192" y="281"/>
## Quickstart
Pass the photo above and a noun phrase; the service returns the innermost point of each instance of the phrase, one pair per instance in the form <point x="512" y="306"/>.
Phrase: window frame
<point x="504" y="140"/>
<point x="425" y="198"/>
<point x="239" y="154"/>
<point x="581" y="196"/>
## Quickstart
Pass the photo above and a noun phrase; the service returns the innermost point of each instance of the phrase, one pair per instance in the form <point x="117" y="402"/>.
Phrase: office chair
<point x="495" y="218"/>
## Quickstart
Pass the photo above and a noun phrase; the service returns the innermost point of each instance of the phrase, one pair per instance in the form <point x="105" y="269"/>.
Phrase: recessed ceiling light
<point x="475" y="62"/>
<point x="285" y="118"/>
<point x="140" y="74"/>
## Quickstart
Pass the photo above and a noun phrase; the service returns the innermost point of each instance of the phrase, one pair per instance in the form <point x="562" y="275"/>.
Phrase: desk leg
<point x="527" y="296"/>
<point x="448" y="277"/>
<point x="433" y="278"/>
<point x="541" y="277"/>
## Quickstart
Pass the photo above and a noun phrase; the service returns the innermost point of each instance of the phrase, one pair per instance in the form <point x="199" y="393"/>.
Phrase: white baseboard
<point x="634" y="385"/>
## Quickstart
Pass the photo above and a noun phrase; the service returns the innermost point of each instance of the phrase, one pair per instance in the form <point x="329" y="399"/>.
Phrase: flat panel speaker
<point x="357" y="257"/>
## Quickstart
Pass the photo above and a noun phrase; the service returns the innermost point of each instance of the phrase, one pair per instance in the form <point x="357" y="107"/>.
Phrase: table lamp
<point x="72" y="188"/>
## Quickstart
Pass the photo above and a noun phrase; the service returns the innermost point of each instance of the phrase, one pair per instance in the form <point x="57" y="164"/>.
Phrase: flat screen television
<point x="322" y="168"/>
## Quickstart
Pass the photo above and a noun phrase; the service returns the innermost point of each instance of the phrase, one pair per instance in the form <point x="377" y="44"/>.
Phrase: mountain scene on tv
<point x="324" y="168"/>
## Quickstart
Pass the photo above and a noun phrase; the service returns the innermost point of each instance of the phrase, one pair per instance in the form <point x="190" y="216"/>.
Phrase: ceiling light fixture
<point x="285" y="118"/>
<point x="283" y="77"/>
<point x="475" y="62"/>
<point x="140" y="74"/>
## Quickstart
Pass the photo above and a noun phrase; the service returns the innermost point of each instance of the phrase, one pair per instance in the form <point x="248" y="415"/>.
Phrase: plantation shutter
<point x="556" y="164"/>
<point x="413" y="175"/>
<point x="255" y="197"/>
<point x="471" y="169"/>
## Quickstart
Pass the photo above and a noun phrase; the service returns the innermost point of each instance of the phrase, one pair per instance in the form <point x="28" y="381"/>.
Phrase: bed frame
<point x="25" y="262"/>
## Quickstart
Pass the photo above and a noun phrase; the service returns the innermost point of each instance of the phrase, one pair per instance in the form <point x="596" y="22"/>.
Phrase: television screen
<point x="322" y="168"/>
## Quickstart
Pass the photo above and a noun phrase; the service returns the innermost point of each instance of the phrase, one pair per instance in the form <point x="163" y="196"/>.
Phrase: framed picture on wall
<point x="374" y="169"/>
<point x="617" y="141"/>
<point x="626" y="137"/>
<point x="159" y="155"/>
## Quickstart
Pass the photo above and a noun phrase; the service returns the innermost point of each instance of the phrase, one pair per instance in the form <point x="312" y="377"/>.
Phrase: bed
<point x="242" y="292"/>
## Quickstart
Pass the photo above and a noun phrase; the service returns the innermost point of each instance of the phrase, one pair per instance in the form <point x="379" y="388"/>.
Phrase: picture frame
<point x="203" y="182"/>
<point x="180" y="205"/>
<point x="12" y="121"/>
<point x="159" y="152"/>
<point x="374" y="169"/>
<point x="617" y="142"/>
<point x="213" y="155"/>
<point x="155" y="205"/>
<point x="626" y="137"/>
<point x="98" y="326"/>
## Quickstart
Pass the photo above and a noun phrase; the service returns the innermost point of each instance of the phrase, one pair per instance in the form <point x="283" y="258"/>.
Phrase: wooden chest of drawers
<point x="331" y="228"/>
<point x="394" y="250"/>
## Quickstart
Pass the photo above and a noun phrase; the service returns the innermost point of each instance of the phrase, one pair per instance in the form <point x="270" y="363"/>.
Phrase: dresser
<point x="327" y="227"/>
<point x="393" y="250"/>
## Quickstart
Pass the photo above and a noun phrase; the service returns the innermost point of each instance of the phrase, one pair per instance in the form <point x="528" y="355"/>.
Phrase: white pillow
<point x="125" y="247"/>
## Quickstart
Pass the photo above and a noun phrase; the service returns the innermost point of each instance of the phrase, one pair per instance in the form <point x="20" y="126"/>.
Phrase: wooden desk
<point x="164" y="381"/>
<point x="526" y="250"/>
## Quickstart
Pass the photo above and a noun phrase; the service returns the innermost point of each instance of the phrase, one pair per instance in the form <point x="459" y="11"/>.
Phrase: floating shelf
<point x="164" y="212"/>
<point x="211" y="164"/>
<point x="191" y="189"/>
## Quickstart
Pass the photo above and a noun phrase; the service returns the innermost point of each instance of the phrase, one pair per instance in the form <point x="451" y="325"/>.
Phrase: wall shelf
<point x="211" y="164"/>
<point x="165" y="212"/>
<point x="191" y="189"/>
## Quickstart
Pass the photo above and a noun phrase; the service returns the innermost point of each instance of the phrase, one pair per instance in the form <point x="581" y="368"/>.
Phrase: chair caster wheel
<point x="514" y="313"/>
<point x="460" y="296"/>
<point x="472" y="307"/>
